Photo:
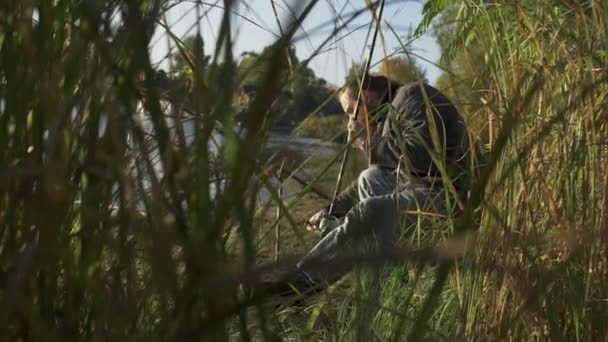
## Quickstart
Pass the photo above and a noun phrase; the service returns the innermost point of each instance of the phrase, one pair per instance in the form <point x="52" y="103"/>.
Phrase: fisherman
<point x="416" y="142"/>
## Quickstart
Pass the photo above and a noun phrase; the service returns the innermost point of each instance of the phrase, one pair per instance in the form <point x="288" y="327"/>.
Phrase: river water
<point x="284" y="144"/>
<point x="304" y="147"/>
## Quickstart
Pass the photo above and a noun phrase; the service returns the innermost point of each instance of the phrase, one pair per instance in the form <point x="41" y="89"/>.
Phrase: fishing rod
<point x="357" y="104"/>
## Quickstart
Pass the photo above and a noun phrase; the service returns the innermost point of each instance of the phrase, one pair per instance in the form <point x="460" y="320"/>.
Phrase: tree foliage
<point x="402" y="69"/>
<point x="306" y="93"/>
<point x="193" y="48"/>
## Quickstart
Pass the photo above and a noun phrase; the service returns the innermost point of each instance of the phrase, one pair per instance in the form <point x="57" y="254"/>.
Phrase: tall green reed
<point x="111" y="229"/>
<point x="97" y="243"/>
<point x="534" y="269"/>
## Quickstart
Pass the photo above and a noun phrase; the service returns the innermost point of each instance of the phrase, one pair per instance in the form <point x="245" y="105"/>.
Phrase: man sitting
<point x="417" y="146"/>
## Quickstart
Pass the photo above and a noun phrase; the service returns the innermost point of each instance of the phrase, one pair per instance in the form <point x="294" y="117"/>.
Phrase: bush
<point x="326" y="128"/>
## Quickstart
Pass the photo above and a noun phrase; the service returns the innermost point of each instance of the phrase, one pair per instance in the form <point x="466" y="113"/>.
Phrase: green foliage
<point x="327" y="128"/>
<point x="466" y="78"/>
<point x="249" y="68"/>
<point x="252" y="65"/>
<point x="307" y="93"/>
<point x="430" y="11"/>
<point x="194" y="47"/>
<point x="114" y="217"/>
<point x="525" y="73"/>
<point x="312" y="95"/>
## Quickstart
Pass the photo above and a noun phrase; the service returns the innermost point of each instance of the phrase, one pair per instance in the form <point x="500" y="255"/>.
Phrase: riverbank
<point x="311" y="163"/>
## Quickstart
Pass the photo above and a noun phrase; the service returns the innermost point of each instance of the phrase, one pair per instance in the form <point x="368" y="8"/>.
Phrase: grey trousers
<point x="373" y="225"/>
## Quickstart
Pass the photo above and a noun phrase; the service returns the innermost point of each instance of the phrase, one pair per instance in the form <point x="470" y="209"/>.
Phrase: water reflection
<point x="282" y="143"/>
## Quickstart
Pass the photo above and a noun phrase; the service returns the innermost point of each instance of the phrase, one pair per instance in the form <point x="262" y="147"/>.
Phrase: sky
<point x="255" y="27"/>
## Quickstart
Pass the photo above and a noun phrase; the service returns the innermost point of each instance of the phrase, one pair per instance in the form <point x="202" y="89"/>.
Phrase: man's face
<point x="348" y="102"/>
<point x="355" y="126"/>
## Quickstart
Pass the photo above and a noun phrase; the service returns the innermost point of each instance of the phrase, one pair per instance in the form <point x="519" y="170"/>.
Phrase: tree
<point x="402" y="69"/>
<point x="310" y="92"/>
<point x="252" y="67"/>
<point x="249" y="69"/>
<point x="307" y="92"/>
<point x="194" y="46"/>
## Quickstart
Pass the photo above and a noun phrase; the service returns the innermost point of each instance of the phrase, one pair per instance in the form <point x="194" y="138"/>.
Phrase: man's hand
<point x="357" y="133"/>
<point x="314" y="222"/>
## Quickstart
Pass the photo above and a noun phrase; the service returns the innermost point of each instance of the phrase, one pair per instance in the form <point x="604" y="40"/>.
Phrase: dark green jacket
<point x="423" y="134"/>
